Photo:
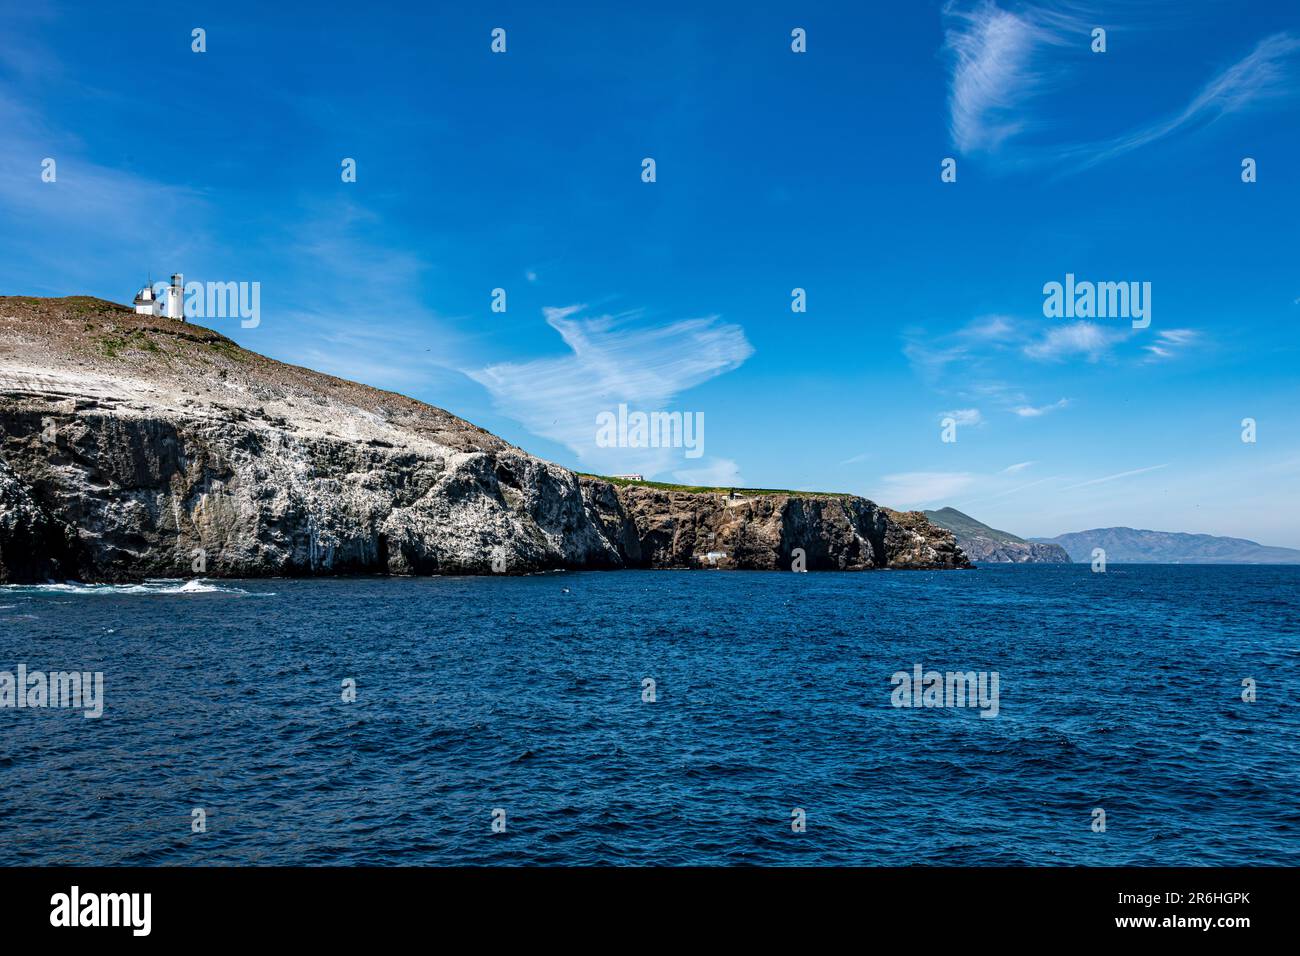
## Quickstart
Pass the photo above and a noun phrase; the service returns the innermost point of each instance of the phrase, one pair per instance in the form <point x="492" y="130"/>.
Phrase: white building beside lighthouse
<point x="145" y="303"/>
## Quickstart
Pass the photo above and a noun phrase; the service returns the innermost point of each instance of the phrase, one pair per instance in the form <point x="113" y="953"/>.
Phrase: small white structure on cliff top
<point x="171" y="304"/>
<point x="145" y="303"/>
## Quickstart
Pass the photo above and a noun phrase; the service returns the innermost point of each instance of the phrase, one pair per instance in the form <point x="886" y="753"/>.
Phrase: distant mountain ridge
<point x="985" y="545"/>
<point x="1139" y="546"/>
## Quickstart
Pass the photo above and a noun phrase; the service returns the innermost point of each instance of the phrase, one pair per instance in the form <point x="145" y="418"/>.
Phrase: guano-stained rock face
<point x="138" y="446"/>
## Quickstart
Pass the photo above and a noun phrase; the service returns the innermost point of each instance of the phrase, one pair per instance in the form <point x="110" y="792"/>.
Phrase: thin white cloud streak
<point x="990" y="328"/>
<point x="1265" y="73"/>
<point x="612" y="360"/>
<point x="1018" y="467"/>
<point x="1012" y="491"/>
<point x="1170" y="342"/>
<point x="1122" y="474"/>
<point x="1032" y="411"/>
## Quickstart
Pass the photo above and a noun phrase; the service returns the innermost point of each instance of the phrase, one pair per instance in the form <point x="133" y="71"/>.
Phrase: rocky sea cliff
<point x="135" y="446"/>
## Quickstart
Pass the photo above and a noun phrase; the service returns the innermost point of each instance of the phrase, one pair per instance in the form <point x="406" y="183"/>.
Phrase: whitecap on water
<point x="153" y="586"/>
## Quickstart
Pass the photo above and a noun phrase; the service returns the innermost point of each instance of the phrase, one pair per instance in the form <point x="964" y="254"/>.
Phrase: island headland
<point x="136" y="446"/>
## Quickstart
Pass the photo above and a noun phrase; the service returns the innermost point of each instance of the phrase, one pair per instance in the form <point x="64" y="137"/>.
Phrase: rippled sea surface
<point x="1120" y="691"/>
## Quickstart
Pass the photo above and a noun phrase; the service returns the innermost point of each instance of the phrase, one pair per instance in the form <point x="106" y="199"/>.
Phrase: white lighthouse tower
<point x="175" y="298"/>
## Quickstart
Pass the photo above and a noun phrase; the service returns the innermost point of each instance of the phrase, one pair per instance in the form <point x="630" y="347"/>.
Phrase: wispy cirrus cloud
<point x="990" y="328"/>
<point x="963" y="416"/>
<point x="1037" y="411"/>
<point x="1015" y="489"/>
<point x="1115" y="477"/>
<point x="972" y="364"/>
<point x="1170" y="342"/>
<point x="1087" y="339"/>
<point x="931" y="357"/>
<point x="116" y="216"/>
<point x="719" y="473"/>
<point x="1003" y="58"/>
<point x="612" y="360"/>
<point x="1266" y="73"/>
<point x="1002" y="364"/>
<point x="994" y="53"/>
<point x="915" y="488"/>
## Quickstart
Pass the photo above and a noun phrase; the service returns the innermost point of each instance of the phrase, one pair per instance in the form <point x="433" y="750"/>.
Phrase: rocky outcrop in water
<point x="137" y="446"/>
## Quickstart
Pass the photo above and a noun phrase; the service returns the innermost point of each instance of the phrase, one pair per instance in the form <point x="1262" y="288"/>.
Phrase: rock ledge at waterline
<point x="132" y="446"/>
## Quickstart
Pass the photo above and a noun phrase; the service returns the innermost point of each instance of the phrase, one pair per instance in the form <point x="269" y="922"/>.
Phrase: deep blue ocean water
<point x="1119" y="691"/>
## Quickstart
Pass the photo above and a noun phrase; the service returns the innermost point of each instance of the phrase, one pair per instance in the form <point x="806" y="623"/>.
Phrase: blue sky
<point x="775" y="170"/>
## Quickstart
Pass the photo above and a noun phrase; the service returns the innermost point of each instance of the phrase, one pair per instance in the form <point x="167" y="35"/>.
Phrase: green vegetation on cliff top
<point x="704" y="489"/>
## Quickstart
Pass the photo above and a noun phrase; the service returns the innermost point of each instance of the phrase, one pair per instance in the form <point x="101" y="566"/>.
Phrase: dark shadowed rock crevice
<point x="137" y="446"/>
